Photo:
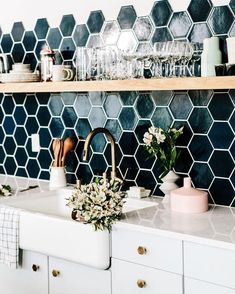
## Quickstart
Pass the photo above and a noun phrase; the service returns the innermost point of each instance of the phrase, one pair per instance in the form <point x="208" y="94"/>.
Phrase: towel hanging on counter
<point x="9" y="236"/>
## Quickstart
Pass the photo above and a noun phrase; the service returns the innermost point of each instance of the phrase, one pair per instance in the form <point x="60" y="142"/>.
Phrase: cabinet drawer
<point x="210" y="264"/>
<point x="147" y="249"/>
<point x="126" y="277"/>
<point x="195" y="287"/>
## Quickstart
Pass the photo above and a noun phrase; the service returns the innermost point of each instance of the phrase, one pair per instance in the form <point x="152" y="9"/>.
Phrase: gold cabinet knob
<point x="35" y="267"/>
<point x="141" y="250"/>
<point x="55" y="273"/>
<point x="141" y="283"/>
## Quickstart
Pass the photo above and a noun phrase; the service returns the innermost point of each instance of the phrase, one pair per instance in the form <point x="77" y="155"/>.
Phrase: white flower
<point x="148" y="138"/>
<point x="160" y="136"/>
<point x="153" y="130"/>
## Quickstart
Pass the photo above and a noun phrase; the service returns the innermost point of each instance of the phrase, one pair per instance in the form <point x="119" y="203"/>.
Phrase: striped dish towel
<point x="9" y="236"/>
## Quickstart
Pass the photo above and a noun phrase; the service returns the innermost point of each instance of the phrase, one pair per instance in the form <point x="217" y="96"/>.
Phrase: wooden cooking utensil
<point x="69" y="145"/>
<point x="56" y="152"/>
<point x="61" y="153"/>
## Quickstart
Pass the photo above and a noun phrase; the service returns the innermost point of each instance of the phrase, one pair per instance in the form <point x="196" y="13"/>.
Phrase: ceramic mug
<point x="57" y="178"/>
<point x="61" y="73"/>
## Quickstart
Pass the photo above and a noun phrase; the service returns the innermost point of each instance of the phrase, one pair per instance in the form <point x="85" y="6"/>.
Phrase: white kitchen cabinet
<point x="30" y="277"/>
<point x="199" y="287"/>
<point x="73" y="278"/>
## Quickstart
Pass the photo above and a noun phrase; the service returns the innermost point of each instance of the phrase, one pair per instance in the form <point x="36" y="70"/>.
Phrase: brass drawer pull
<point x="35" y="267"/>
<point x="55" y="273"/>
<point x="141" y="250"/>
<point x="141" y="283"/>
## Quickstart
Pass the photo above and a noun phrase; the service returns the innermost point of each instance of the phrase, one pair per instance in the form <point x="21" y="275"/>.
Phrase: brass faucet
<point x="113" y="147"/>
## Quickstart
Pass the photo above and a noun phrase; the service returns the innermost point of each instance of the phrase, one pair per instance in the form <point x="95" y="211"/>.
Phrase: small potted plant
<point x="5" y="190"/>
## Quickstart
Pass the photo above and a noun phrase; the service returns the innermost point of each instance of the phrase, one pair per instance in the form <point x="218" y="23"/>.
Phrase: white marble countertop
<point x="215" y="227"/>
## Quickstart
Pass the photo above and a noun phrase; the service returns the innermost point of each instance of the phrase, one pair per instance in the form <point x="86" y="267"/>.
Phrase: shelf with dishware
<point x="153" y="84"/>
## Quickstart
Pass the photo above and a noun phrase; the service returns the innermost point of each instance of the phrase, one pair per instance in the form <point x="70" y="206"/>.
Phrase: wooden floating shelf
<point x="187" y="83"/>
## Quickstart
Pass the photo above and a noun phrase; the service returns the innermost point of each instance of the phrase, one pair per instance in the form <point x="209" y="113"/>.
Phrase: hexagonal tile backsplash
<point x="207" y="146"/>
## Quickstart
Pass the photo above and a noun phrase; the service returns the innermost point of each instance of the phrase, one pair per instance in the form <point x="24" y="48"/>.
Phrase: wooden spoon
<point x="56" y="152"/>
<point x="69" y="145"/>
<point x="60" y="153"/>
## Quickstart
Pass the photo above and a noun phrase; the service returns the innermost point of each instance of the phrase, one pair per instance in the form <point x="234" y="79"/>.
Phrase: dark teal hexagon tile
<point x="8" y="104"/>
<point x="201" y="175"/>
<point x="6" y="43"/>
<point x="98" y="164"/>
<point x="43" y="98"/>
<point x="67" y="48"/>
<point x="45" y="137"/>
<point x="2" y="155"/>
<point x="54" y="38"/>
<point x="10" y="165"/>
<point x="30" y="58"/>
<point x="161" y="35"/>
<point x="68" y="98"/>
<point x="21" y="156"/>
<point x="114" y="127"/>
<point x="200" y="120"/>
<point x="41" y="28"/>
<point x="200" y="148"/>
<point x="31" y="125"/>
<point x="128" y="98"/>
<point x="161" y="13"/>
<point x="44" y="175"/>
<point x="142" y="127"/>
<point x="80" y="35"/>
<point x="221" y="163"/>
<point x="200" y="98"/>
<point x="221" y="135"/>
<point x="162" y="98"/>
<point x="98" y="143"/>
<point x="20" y="136"/>
<point x="176" y="108"/>
<point x="95" y="21"/>
<point x="185" y="138"/>
<point x="221" y="106"/>
<point x="67" y="25"/>
<point x="128" y="118"/>
<point x="82" y="128"/>
<point x="55" y="104"/>
<point x="162" y="118"/>
<point x="9" y="145"/>
<point x="184" y="162"/>
<point x="17" y="31"/>
<point x="8" y="125"/>
<point x="18" y="52"/>
<point x="126" y="17"/>
<point x="69" y="117"/>
<point x="221" y="19"/>
<point x="143" y="158"/>
<point x="33" y="168"/>
<point x="43" y="116"/>
<point x="31" y="104"/>
<point x="84" y="173"/>
<point x="146" y="179"/>
<point x="129" y="167"/>
<point x="128" y="143"/>
<point x="56" y="127"/>
<point x="108" y="154"/>
<point x="199" y="10"/>
<point x="29" y="40"/>
<point x="144" y="105"/>
<point x="222" y="191"/>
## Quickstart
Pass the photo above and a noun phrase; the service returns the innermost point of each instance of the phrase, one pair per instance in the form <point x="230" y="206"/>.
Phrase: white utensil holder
<point x="57" y="178"/>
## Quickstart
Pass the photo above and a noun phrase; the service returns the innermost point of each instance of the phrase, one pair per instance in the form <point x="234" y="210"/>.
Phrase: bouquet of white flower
<point x="99" y="203"/>
<point x="162" y="144"/>
<point x="5" y="190"/>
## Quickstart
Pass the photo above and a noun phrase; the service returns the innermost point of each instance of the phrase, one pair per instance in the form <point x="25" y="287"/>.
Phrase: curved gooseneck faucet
<point x="113" y="148"/>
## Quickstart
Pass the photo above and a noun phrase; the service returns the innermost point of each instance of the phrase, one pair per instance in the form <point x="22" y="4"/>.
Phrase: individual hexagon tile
<point x="162" y="98"/>
<point x="126" y="17"/>
<point x="19" y="115"/>
<point x="142" y="127"/>
<point x="176" y="108"/>
<point x="221" y="19"/>
<point x="31" y="104"/>
<point x="44" y="159"/>
<point x="200" y="98"/>
<point x="110" y="32"/>
<point x="112" y="105"/>
<point x="185" y="138"/>
<point x="43" y="116"/>
<point x="10" y="165"/>
<point x="69" y="117"/>
<point x="19" y="98"/>
<point x="9" y="145"/>
<point x="31" y="59"/>
<point x="56" y="127"/>
<point x="41" y="28"/>
<point x="8" y="104"/>
<point x="84" y="173"/>
<point x="144" y="105"/>
<point x="97" y="98"/>
<point x="21" y="156"/>
<point x="162" y="118"/>
<point x="55" y="104"/>
<point x="67" y="25"/>
<point x="80" y="35"/>
<point x="221" y="106"/>
<point x="222" y="192"/>
<point x="98" y="143"/>
<point x="17" y="31"/>
<point x="54" y="38"/>
<point x="184" y="162"/>
<point x="97" y="117"/>
<point x="114" y="127"/>
<point x="8" y="125"/>
<point x="2" y="155"/>
<point x="200" y="148"/>
<point x="6" y="43"/>
<point x="161" y="13"/>
<point x="108" y="154"/>
<point x="31" y="126"/>
<point x="68" y="98"/>
<point x="18" y="52"/>
<point x="143" y="28"/>
<point x="29" y="40"/>
<point x="128" y="98"/>
<point x="201" y="175"/>
<point x="98" y="164"/>
<point x="200" y="120"/>
<point x="128" y="118"/>
<point x="67" y="48"/>
<point x="199" y="32"/>
<point x="143" y="158"/>
<point x="221" y="163"/>
<point x="71" y="164"/>
<point x="199" y="10"/>
<point x="127" y="41"/>
<point x="33" y="168"/>
<point x="146" y="179"/>
<point x="95" y="40"/>
<point x="221" y="135"/>
<point x="20" y="136"/>
<point x="129" y="167"/>
<point x="180" y="24"/>
<point x="45" y="137"/>
<point x="161" y="35"/>
<point x="128" y="143"/>
<point x="95" y="21"/>
<point x="82" y="105"/>
<point x="82" y="128"/>
<point x="43" y="98"/>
